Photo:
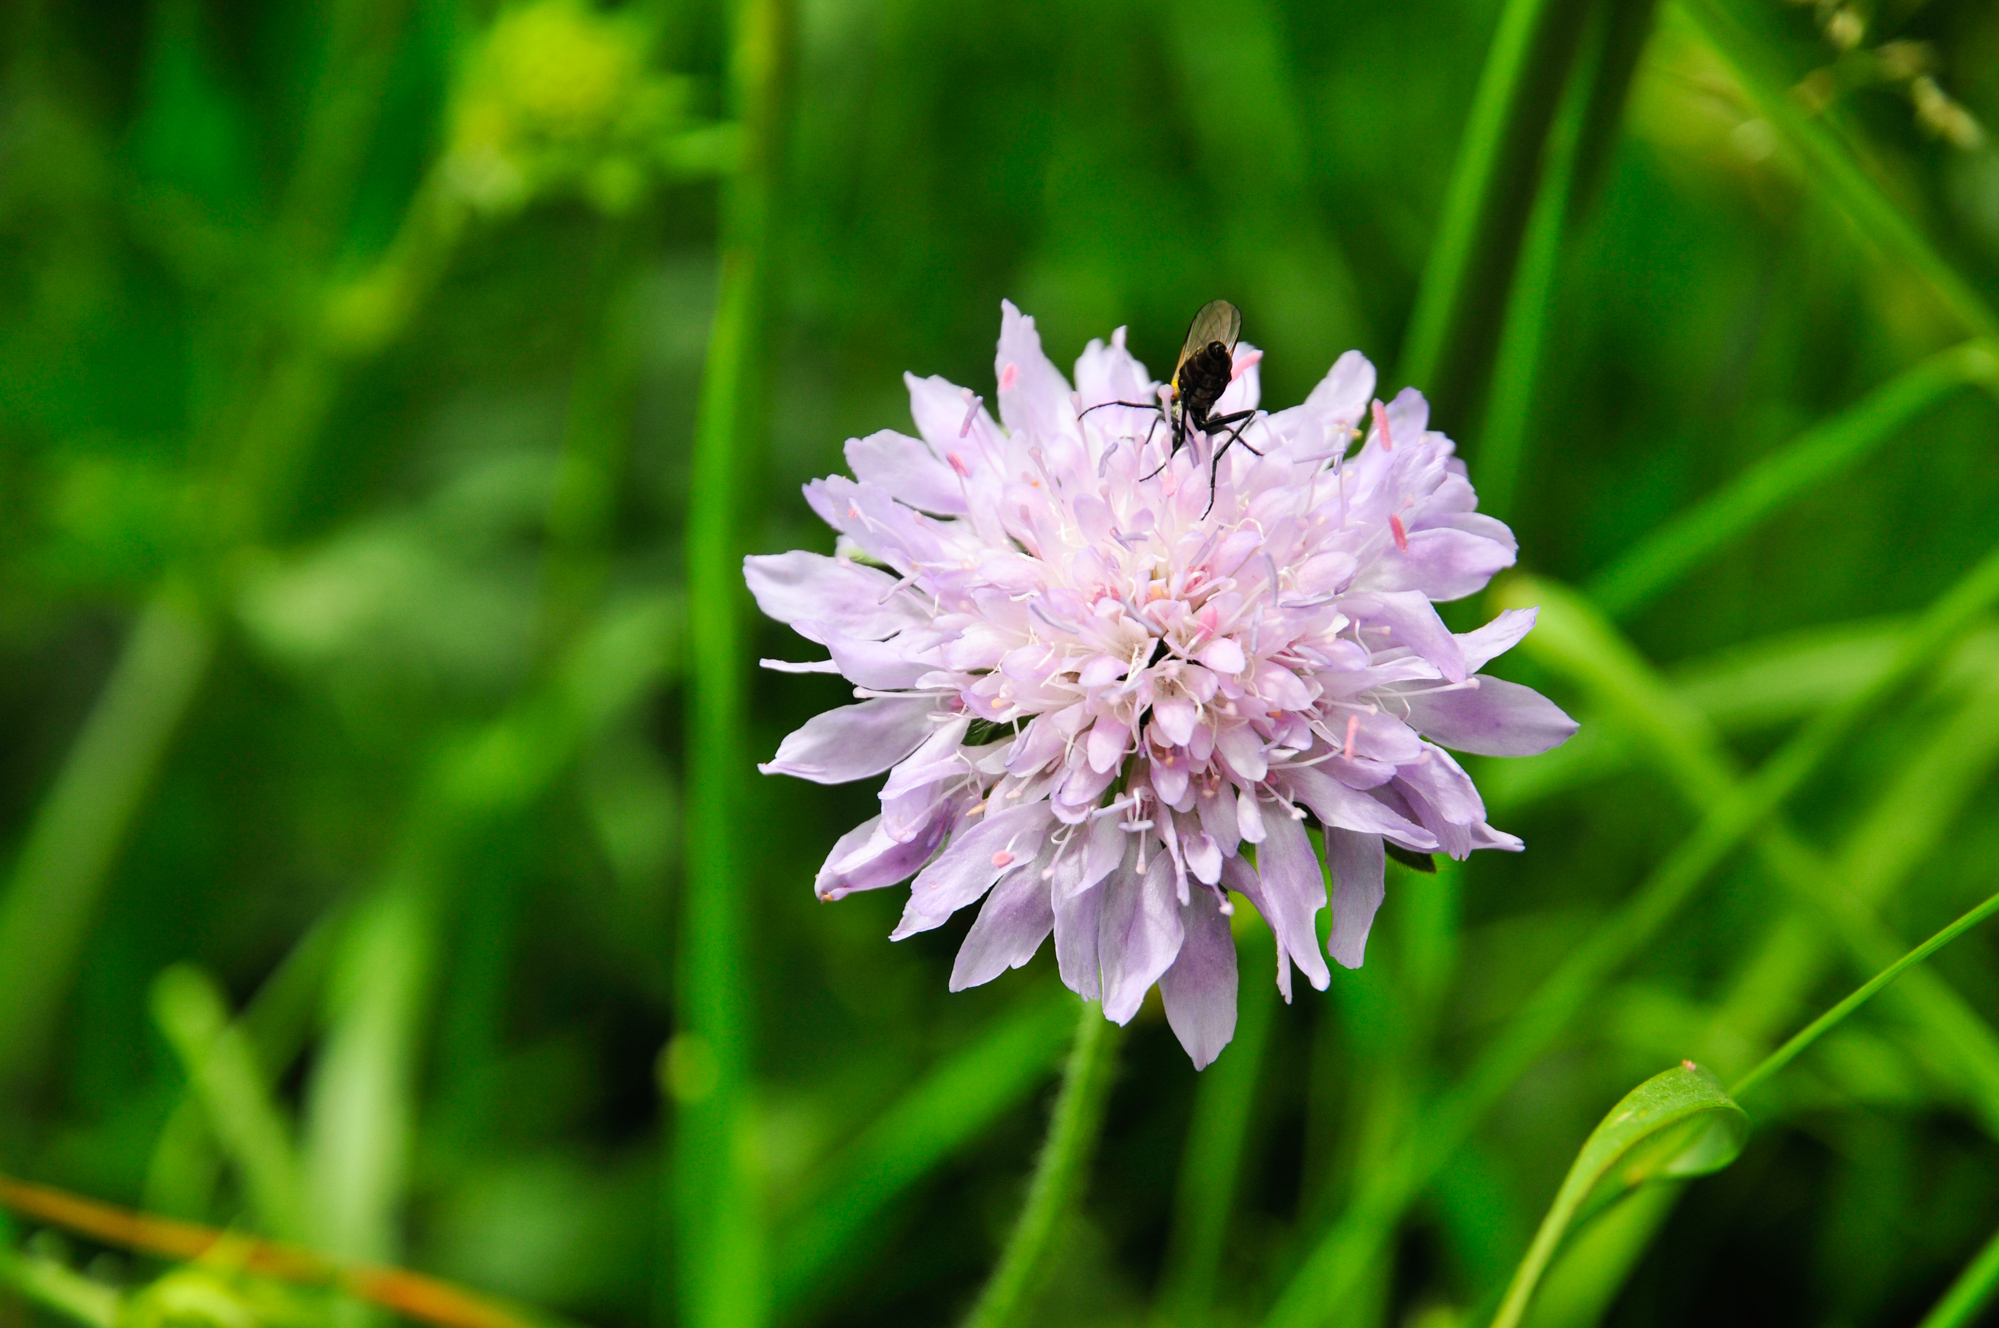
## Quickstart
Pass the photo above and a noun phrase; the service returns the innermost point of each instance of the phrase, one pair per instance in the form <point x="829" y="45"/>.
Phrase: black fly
<point x="1200" y="376"/>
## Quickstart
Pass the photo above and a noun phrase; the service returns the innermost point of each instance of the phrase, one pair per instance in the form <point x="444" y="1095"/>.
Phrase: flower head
<point x="1106" y="697"/>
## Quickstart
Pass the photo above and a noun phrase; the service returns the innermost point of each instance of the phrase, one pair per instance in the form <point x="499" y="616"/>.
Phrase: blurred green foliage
<point x="350" y="356"/>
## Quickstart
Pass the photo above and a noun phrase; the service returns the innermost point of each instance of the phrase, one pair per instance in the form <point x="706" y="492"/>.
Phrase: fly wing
<point x="1218" y="321"/>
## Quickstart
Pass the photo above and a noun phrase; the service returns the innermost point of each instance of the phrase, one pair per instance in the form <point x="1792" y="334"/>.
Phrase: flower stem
<point x="1058" y="1175"/>
<point x="1811" y="1033"/>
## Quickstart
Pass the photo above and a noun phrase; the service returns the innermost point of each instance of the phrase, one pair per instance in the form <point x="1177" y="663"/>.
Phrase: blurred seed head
<point x="556" y="95"/>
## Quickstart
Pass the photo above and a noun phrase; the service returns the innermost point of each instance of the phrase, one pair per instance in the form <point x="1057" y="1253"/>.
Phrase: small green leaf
<point x="1680" y="1123"/>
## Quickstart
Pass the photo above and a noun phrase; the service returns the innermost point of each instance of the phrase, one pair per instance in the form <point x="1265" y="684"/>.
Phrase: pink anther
<point x="1008" y="377"/>
<point x="1353" y="727"/>
<point x="1002" y="859"/>
<point x="1244" y="363"/>
<point x="972" y="413"/>
<point x="1401" y="534"/>
<point x="958" y="464"/>
<point x="1381" y="426"/>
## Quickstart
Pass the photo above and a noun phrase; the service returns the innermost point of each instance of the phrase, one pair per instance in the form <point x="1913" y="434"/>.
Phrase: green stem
<point x="1216" y="1139"/>
<point x="1492" y="189"/>
<point x="1530" y="306"/>
<point x="1813" y="1031"/>
<point x="719" y="1255"/>
<point x="74" y="839"/>
<point x="1058" y="1174"/>
<point x="1969" y="1293"/>
<point x="951" y="1106"/>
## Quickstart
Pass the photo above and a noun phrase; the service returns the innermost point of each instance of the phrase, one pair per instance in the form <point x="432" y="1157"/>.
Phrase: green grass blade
<point x="73" y="841"/>
<point x="1688" y="539"/>
<point x="1586" y="123"/>
<point x="1836" y="896"/>
<point x="222" y="1068"/>
<point x="1492" y="190"/>
<point x="1216" y="1139"/>
<point x="1820" y="1026"/>
<point x="956" y="1103"/>
<point x="718" y="1258"/>
<point x="1530" y="305"/>
<point x="1970" y="1293"/>
<point x="1679" y="1123"/>
<point x="1341" y="1256"/>
<point x="1059" y="1173"/>
<point x="361" y="1102"/>
<point x="1591" y="1269"/>
<point x="1830" y="169"/>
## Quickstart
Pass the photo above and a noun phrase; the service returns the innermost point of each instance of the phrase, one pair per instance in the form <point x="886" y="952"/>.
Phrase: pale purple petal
<point x="1357" y="863"/>
<point x="1199" y="989"/>
<point x="1484" y="644"/>
<point x="1013" y="922"/>
<point x="970" y="864"/>
<point x="1033" y="394"/>
<point x="907" y="468"/>
<point x="1076" y="920"/>
<point x="1491" y="718"/>
<point x="841" y="596"/>
<point x="1442" y="564"/>
<point x="882" y="665"/>
<point x="1138" y="935"/>
<point x="1352" y="809"/>
<point x="868" y="857"/>
<point x="1415" y="624"/>
<point x="854" y="741"/>
<point x="1291" y="892"/>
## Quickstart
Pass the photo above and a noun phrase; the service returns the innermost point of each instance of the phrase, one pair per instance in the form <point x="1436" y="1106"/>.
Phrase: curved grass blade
<point x="1058" y="1174"/>
<point x="1970" y="1293"/>
<point x="950" y="1107"/>
<point x="1818" y="1028"/>
<point x="1676" y="1124"/>
<point x="1825" y="450"/>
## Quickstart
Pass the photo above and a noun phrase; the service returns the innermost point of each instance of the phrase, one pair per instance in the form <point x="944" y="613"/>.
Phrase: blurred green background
<point x="350" y="359"/>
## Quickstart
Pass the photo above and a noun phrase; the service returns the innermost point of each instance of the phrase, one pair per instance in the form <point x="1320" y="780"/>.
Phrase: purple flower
<point x="1101" y="710"/>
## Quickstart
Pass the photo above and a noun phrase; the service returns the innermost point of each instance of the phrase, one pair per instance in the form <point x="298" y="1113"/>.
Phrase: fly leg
<point x="1241" y="419"/>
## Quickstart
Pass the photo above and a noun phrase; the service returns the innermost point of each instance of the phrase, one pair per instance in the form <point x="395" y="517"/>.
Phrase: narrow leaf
<point x="1679" y="1123"/>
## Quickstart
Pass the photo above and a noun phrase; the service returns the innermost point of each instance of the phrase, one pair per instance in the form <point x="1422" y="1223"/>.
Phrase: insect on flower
<point x="1203" y="372"/>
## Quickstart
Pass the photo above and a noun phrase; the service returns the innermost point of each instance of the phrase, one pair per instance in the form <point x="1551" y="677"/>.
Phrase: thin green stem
<point x="1530" y="305"/>
<point x="719" y="1255"/>
<point x="1058" y="1174"/>
<point x="1216" y="1139"/>
<point x="1683" y="543"/>
<point x="1492" y="188"/>
<point x="951" y="1106"/>
<point x="74" y="839"/>
<point x="1970" y="1293"/>
<point x="1818" y="1027"/>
